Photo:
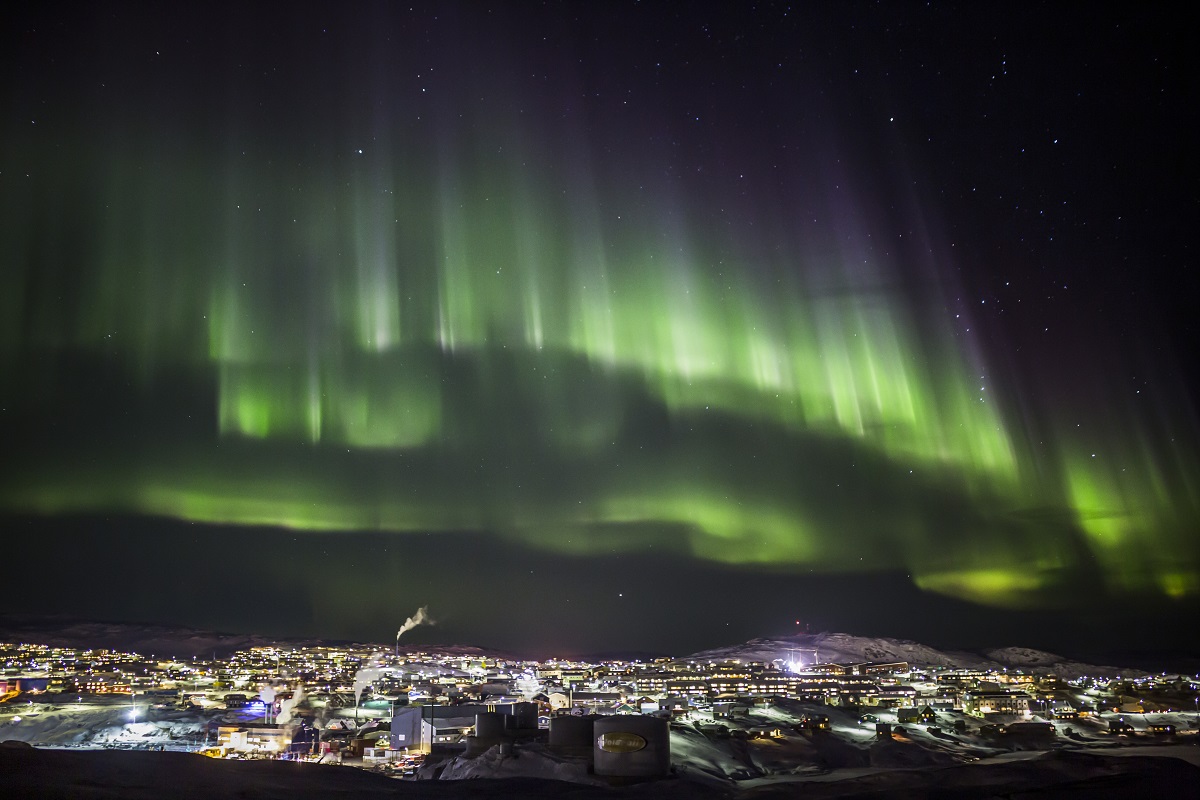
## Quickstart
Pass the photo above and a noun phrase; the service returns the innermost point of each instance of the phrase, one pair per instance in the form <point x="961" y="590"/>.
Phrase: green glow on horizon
<point x="1013" y="585"/>
<point x="1130" y="523"/>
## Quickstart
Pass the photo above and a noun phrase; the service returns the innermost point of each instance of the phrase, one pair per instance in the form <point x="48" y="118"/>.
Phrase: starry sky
<point x="602" y="325"/>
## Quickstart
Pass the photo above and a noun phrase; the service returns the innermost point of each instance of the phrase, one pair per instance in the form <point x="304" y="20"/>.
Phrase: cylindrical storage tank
<point x="477" y="746"/>
<point x="489" y="725"/>
<point x="524" y="716"/>
<point x="632" y="746"/>
<point x="566" y="731"/>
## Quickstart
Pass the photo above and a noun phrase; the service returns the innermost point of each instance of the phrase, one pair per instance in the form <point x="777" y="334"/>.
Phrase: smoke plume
<point x="286" y="707"/>
<point x="367" y="676"/>
<point x="419" y="618"/>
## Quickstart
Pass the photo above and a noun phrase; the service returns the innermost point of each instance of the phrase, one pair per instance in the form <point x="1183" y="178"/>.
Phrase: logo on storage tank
<point x="620" y="742"/>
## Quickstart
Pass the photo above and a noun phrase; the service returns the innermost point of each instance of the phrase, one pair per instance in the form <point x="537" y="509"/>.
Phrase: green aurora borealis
<point x="492" y="306"/>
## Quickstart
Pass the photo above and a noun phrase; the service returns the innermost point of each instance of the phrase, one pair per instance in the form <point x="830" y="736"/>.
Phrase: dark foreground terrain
<point x="26" y="772"/>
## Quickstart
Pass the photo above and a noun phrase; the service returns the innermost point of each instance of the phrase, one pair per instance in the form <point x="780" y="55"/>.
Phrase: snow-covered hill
<point x="812" y="648"/>
<point x="843" y="648"/>
<point x="147" y="639"/>
<point x="1040" y="661"/>
<point x="183" y="642"/>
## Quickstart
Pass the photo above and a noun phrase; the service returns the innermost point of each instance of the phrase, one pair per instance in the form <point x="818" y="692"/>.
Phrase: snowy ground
<point x="532" y="761"/>
<point x="108" y="721"/>
<point x="851" y="749"/>
<point x="725" y="754"/>
<point x="731" y="754"/>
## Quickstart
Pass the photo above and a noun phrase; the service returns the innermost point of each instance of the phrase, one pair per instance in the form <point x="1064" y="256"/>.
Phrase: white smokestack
<point x="268" y="698"/>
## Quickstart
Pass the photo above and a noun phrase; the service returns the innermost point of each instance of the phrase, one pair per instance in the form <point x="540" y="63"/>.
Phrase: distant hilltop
<point x="143" y="638"/>
<point x="844" y="648"/>
<point x="184" y="642"/>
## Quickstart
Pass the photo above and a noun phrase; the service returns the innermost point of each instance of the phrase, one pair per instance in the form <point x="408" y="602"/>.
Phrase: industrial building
<point x="426" y="727"/>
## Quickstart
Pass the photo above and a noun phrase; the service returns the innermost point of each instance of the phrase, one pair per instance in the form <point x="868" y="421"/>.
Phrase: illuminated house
<point x="982" y="704"/>
<point x="255" y="737"/>
<point x="106" y="683"/>
<point x="857" y="690"/>
<point x="1061" y="709"/>
<point x="879" y="667"/>
<point x="892" y="696"/>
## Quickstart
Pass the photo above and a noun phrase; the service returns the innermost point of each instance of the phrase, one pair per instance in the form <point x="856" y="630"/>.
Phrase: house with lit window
<point x="252" y="737"/>
<point x="984" y="704"/>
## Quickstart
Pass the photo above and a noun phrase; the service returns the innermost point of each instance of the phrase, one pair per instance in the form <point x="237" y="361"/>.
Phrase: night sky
<point x="600" y="326"/>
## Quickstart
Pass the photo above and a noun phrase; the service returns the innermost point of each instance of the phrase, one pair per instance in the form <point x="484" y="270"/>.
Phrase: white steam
<point x="367" y="676"/>
<point x="419" y="618"/>
<point x="286" y="707"/>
